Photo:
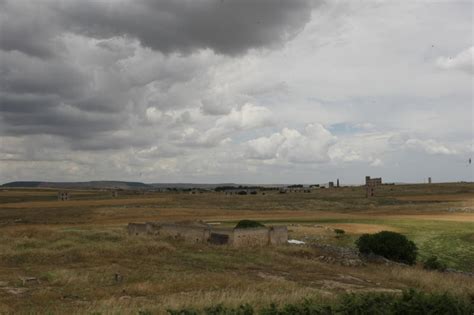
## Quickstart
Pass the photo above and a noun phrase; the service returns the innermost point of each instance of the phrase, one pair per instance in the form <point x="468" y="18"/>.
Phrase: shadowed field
<point x="76" y="247"/>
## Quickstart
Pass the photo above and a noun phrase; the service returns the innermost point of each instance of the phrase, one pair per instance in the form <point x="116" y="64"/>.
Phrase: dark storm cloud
<point x="55" y="119"/>
<point x="22" y="74"/>
<point x="58" y="79"/>
<point x="28" y="27"/>
<point x="225" y="26"/>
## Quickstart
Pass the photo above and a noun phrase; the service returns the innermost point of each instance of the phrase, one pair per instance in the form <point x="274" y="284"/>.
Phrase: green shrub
<point x="409" y="302"/>
<point x="369" y="303"/>
<point x="245" y="224"/>
<point x="182" y="312"/>
<point x="339" y="231"/>
<point x="391" y="245"/>
<point x="433" y="263"/>
<point x="244" y="309"/>
<point x="415" y="302"/>
<point x="307" y="307"/>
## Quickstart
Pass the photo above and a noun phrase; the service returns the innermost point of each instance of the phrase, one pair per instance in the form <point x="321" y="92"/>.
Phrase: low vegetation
<point x="433" y="263"/>
<point x="248" y="224"/>
<point x="409" y="302"/>
<point x="391" y="245"/>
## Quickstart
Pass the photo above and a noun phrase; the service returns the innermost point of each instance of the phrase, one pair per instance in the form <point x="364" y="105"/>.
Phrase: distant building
<point x="331" y="184"/>
<point x="337" y="183"/>
<point x="429" y="180"/>
<point x="63" y="195"/>
<point x="370" y="185"/>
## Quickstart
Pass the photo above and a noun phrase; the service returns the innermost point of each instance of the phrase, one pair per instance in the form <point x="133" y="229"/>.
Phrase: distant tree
<point x="245" y="224"/>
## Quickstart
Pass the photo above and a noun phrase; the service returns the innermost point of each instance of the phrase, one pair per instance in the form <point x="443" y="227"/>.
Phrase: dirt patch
<point x="438" y="198"/>
<point x="461" y="217"/>
<point x="360" y="228"/>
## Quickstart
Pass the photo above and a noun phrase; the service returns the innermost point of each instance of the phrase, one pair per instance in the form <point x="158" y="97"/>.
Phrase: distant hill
<point x="79" y="185"/>
<point x="189" y="185"/>
<point x="110" y="185"/>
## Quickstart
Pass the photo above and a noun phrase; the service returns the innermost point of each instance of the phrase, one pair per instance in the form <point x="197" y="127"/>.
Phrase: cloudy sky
<point x="246" y="91"/>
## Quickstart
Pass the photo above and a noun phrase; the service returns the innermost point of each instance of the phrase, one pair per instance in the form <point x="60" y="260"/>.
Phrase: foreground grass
<point x="76" y="249"/>
<point x="409" y="302"/>
<point x="77" y="267"/>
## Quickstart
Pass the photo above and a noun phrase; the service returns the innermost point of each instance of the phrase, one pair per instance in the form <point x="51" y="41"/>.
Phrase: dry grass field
<point x="74" y="248"/>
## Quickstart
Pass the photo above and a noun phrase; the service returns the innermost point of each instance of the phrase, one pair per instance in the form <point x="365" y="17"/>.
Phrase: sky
<point x="242" y="91"/>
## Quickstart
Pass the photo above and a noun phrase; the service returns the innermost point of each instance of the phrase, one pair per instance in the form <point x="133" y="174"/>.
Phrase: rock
<point x="15" y="291"/>
<point x="29" y="280"/>
<point x="118" y="278"/>
<point x="372" y="258"/>
<point x="464" y="273"/>
<point x="125" y="297"/>
<point x="341" y="255"/>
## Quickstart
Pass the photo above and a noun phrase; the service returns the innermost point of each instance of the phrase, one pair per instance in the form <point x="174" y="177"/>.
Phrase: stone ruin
<point x="370" y="185"/>
<point x="63" y="195"/>
<point x="198" y="232"/>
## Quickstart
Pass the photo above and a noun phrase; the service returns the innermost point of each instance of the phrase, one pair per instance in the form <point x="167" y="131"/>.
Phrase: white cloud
<point x="112" y="108"/>
<point x="309" y="146"/>
<point x="464" y="61"/>
<point x="429" y="146"/>
<point x="362" y="147"/>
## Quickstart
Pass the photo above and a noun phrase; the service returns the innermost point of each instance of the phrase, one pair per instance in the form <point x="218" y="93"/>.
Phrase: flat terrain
<point x="75" y="248"/>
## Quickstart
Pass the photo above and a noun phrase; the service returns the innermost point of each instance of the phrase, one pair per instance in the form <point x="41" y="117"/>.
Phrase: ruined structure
<point x="198" y="232"/>
<point x="370" y="185"/>
<point x="429" y="180"/>
<point x="331" y="185"/>
<point x="63" y="195"/>
<point x="337" y="183"/>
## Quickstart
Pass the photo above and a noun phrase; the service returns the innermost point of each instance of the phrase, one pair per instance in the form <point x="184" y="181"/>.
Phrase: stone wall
<point x="220" y="236"/>
<point x="251" y="237"/>
<point x="191" y="234"/>
<point x="278" y="235"/>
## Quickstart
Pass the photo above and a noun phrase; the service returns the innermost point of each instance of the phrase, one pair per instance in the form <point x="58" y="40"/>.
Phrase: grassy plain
<point x="76" y="247"/>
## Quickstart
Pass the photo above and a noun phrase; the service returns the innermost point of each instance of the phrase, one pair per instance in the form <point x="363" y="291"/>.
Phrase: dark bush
<point x="369" y="303"/>
<point x="242" y="192"/>
<point x="339" y="231"/>
<point x="183" y="312"/>
<point x="307" y="307"/>
<point x="433" y="263"/>
<point x="391" y="245"/>
<point x="415" y="302"/>
<point x="410" y="302"/>
<point x="245" y="224"/>
<point x="244" y="309"/>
